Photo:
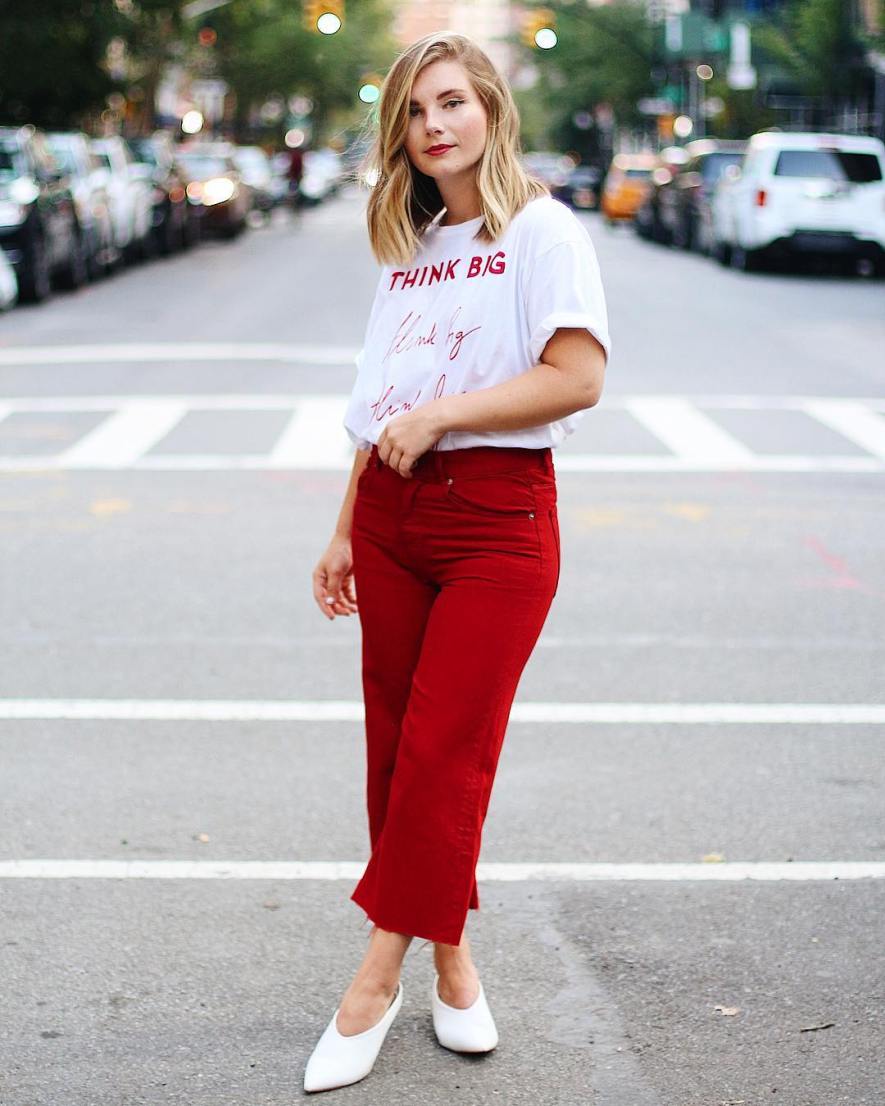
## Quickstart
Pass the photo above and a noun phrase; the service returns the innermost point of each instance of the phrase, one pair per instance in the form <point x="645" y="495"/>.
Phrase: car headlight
<point x="12" y="214"/>
<point x="23" y="191"/>
<point x="217" y="190"/>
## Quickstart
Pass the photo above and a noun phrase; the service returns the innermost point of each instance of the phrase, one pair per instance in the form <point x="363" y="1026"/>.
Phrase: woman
<point x="487" y="339"/>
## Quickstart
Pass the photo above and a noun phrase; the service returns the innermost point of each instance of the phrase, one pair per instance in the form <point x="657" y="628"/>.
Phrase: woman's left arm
<point x="568" y="378"/>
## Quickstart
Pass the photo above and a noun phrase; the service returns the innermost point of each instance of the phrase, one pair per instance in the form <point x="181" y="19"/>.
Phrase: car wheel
<point x="744" y="260"/>
<point x="689" y="235"/>
<point x="75" y="272"/>
<point x="722" y="252"/>
<point x="35" y="283"/>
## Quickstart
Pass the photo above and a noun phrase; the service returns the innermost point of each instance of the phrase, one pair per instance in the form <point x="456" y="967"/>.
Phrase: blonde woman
<point x="487" y="340"/>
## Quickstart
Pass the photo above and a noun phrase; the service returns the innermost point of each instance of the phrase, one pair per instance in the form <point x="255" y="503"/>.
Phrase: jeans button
<point x="531" y="514"/>
<point x="449" y="481"/>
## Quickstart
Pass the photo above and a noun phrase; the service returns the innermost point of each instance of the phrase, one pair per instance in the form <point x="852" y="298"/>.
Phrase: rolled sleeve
<point x="564" y="289"/>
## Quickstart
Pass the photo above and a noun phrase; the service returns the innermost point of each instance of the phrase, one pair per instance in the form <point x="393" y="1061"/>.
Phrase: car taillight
<point x="760" y="198"/>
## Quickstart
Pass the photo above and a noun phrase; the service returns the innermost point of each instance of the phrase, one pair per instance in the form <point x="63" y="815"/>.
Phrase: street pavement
<point x="682" y="882"/>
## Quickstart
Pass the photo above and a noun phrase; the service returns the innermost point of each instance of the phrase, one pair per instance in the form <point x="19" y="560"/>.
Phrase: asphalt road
<point x="683" y="873"/>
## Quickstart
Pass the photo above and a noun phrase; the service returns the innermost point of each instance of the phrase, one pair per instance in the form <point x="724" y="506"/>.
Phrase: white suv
<point x="802" y="193"/>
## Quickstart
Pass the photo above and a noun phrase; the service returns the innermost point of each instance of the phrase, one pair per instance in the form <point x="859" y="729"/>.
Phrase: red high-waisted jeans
<point x="455" y="570"/>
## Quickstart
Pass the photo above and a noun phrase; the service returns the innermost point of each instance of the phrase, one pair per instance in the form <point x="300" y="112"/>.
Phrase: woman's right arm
<point x="333" y="585"/>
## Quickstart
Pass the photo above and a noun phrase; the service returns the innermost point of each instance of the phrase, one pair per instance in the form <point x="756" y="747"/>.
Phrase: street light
<point x="537" y="28"/>
<point x="325" y="16"/>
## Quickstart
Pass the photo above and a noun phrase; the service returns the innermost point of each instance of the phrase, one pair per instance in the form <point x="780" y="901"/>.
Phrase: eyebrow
<point x="448" y="92"/>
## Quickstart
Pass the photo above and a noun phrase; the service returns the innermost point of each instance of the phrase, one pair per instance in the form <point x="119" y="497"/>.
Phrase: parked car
<point x="677" y="209"/>
<point x="130" y="193"/>
<point x="625" y="186"/>
<point x="216" y="185"/>
<point x="548" y="167"/>
<point x="323" y="170"/>
<point x="38" y="219"/>
<point x="72" y="154"/>
<point x="257" y="172"/>
<point x="8" y="283"/>
<point x="581" y="188"/>
<point x="175" y="224"/>
<point x="647" y="221"/>
<point x="802" y="194"/>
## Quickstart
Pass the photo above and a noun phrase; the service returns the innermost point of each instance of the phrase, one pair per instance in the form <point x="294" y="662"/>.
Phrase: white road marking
<point x="343" y="710"/>
<point x="689" y="433"/>
<point x="725" y="871"/>
<point x="852" y="420"/>
<point x="147" y="352"/>
<point x="123" y="437"/>
<point x="314" y="437"/>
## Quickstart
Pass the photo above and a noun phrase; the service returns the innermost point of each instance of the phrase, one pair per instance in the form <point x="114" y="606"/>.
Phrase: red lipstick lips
<point x="435" y="151"/>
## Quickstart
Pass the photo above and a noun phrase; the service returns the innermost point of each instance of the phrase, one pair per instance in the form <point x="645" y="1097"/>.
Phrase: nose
<point x="431" y="125"/>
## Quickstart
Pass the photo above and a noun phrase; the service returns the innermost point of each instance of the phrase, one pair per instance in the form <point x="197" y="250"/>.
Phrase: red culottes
<point x="455" y="570"/>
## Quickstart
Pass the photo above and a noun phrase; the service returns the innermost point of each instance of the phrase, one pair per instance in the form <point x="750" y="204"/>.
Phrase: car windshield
<point x="9" y="163"/>
<point x="204" y="167"/>
<point x="64" y="158"/>
<point x="714" y="165"/>
<point x="144" y="151"/>
<point x="833" y="164"/>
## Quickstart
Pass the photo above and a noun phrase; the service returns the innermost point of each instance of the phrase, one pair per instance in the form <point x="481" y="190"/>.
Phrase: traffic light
<point x="324" y="16"/>
<point x="538" y="28"/>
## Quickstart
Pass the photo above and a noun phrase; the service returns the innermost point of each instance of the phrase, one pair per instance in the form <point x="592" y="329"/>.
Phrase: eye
<point x="453" y="102"/>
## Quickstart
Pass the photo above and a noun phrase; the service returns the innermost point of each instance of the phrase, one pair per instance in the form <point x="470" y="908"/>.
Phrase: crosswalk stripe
<point x="306" y="441"/>
<point x="486" y="871"/>
<point x="150" y="352"/>
<point x="314" y="437"/>
<point x="852" y="420"/>
<point x="689" y="433"/>
<point x="344" y="710"/>
<point x="124" y="436"/>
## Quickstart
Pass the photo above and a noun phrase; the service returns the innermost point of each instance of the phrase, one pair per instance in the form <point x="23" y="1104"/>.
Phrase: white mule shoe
<point x="471" y="1029"/>
<point x="339" y="1060"/>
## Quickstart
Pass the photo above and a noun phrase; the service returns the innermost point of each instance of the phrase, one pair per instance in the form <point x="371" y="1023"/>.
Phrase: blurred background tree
<point x="603" y="56"/>
<point x="265" y="51"/>
<point x="817" y="43"/>
<point x="52" y="59"/>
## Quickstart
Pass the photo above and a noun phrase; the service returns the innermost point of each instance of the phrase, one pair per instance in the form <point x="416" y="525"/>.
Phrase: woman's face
<point x="445" y="112"/>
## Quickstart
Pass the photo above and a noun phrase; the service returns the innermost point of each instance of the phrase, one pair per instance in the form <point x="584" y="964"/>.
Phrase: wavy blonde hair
<point x="404" y="200"/>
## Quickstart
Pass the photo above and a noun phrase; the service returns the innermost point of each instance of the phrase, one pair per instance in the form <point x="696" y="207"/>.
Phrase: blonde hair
<point x="404" y="200"/>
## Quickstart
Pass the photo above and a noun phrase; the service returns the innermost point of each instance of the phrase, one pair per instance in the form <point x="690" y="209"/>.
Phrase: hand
<point x="409" y="436"/>
<point x="333" y="583"/>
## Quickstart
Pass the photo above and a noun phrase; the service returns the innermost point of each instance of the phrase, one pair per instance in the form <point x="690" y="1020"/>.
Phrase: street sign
<point x="655" y="105"/>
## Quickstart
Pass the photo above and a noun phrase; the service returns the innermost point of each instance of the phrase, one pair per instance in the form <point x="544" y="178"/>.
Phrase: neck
<point x="462" y="201"/>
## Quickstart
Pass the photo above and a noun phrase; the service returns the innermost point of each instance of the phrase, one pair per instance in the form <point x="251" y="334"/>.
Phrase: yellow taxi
<point x="626" y="185"/>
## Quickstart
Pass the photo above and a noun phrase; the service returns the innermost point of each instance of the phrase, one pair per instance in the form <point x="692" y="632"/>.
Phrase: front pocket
<point x="505" y="496"/>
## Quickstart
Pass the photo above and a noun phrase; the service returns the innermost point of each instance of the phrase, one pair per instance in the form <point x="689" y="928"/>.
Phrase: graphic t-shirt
<point x="466" y="314"/>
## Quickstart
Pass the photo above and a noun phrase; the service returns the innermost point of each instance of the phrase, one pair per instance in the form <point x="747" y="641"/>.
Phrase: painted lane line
<point x="853" y="421"/>
<point x="178" y="351"/>
<point x="687" y="432"/>
<point x="124" y="436"/>
<point x="575" y="462"/>
<point x="272" y="400"/>
<point x="341" y="710"/>
<point x="726" y="871"/>
<point x="313" y="438"/>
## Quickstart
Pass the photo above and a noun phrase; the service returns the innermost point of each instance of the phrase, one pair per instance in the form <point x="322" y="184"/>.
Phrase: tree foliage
<point x="51" y="55"/>
<point x="264" y="49"/>
<point x="817" y="43"/>
<point x="603" y="55"/>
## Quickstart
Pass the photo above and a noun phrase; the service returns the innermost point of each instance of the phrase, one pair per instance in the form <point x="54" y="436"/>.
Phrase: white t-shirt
<point x="466" y="314"/>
